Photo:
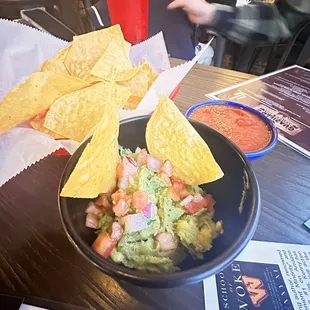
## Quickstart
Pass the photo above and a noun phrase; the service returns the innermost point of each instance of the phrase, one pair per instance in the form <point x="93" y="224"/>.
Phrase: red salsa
<point x="244" y="128"/>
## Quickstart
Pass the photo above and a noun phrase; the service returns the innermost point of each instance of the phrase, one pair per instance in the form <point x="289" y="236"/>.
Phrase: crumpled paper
<point x="24" y="50"/>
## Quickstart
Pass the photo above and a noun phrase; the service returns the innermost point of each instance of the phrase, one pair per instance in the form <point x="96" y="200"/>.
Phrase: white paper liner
<point x="167" y="82"/>
<point x="22" y="50"/>
<point x="154" y="51"/>
<point x="21" y="148"/>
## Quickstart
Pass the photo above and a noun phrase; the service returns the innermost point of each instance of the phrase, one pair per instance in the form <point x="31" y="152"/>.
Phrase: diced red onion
<point x="198" y="198"/>
<point x="138" y="150"/>
<point x="186" y="200"/>
<point x="92" y="221"/>
<point x="153" y="163"/>
<point x="123" y="182"/>
<point x="142" y="157"/>
<point x="131" y="160"/>
<point x="130" y="168"/>
<point x="134" y="222"/>
<point x="149" y="210"/>
<point x="167" y="168"/>
<point x="131" y="180"/>
<point x="165" y="178"/>
<point x="92" y="208"/>
<point x="166" y="241"/>
<point x="117" y="231"/>
<point x="121" y="208"/>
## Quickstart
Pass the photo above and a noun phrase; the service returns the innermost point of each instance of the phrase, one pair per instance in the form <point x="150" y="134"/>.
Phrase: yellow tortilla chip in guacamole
<point x="169" y="135"/>
<point x="95" y="171"/>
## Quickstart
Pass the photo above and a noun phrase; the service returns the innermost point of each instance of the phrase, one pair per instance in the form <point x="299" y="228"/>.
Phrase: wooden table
<point x="36" y="258"/>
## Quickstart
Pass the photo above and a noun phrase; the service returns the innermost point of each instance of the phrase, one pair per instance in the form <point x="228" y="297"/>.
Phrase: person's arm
<point x="258" y="22"/>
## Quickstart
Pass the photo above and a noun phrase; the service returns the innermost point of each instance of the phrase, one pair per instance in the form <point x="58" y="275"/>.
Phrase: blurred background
<point x="66" y="18"/>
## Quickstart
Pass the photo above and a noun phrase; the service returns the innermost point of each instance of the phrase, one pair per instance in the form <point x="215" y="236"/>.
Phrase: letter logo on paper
<point x="252" y="286"/>
<point x="255" y="289"/>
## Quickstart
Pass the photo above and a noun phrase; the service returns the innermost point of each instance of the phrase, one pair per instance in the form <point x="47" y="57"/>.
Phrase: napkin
<point x="25" y="49"/>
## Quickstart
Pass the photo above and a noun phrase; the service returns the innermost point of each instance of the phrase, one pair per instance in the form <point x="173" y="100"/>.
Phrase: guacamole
<point x="152" y="221"/>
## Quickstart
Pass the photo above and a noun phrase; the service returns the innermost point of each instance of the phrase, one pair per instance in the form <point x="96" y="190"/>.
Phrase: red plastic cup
<point x="132" y="16"/>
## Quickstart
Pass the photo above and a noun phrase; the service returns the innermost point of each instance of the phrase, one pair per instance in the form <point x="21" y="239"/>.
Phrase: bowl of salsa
<point x="250" y="130"/>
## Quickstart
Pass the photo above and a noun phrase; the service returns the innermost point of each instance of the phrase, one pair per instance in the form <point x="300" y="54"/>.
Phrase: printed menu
<point x="284" y="96"/>
<point x="265" y="276"/>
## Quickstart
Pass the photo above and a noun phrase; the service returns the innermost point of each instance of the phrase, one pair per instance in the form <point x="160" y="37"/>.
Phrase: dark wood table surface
<point x="36" y="258"/>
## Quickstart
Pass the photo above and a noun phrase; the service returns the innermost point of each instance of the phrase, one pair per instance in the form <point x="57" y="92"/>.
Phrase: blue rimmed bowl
<point x="273" y="129"/>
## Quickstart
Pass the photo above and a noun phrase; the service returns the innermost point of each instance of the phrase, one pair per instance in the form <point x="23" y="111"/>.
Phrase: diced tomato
<point x="210" y="202"/>
<point x="104" y="245"/>
<point x="192" y="207"/>
<point x="167" y="168"/>
<point x="117" y="196"/>
<point x="177" y="184"/>
<point x="103" y="201"/>
<point x="128" y="198"/>
<point x="180" y="188"/>
<point x="173" y="194"/>
<point x="120" y="208"/>
<point x="139" y="200"/>
<point x="197" y="203"/>
<point x="165" y="178"/>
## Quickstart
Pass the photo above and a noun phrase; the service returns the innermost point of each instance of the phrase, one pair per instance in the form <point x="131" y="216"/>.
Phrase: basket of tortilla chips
<point x="66" y="98"/>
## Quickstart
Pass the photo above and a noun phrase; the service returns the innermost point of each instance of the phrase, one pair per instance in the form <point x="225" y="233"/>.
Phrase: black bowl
<point x="237" y="204"/>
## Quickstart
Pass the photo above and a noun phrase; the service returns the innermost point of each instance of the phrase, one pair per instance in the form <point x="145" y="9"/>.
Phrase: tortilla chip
<point x="56" y="64"/>
<point x="127" y="74"/>
<point x="75" y="114"/>
<point x="132" y="102"/>
<point x="95" y="171"/>
<point x="138" y="84"/>
<point x="122" y="95"/>
<point x="169" y="136"/>
<point x="152" y="75"/>
<point x="37" y="93"/>
<point x="114" y="58"/>
<point x="38" y="124"/>
<point x="127" y="47"/>
<point x="86" y="50"/>
<point x="91" y="79"/>
<point x="152" y="81"/>
<point x="140" y="79"/>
